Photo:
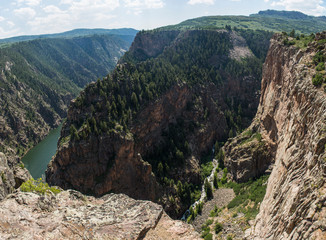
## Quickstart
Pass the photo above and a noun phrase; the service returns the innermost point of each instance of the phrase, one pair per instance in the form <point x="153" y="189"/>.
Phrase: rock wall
<point x="291" y="119"/>
<point x="72" y="215"/>
<point x="11" y="176"/>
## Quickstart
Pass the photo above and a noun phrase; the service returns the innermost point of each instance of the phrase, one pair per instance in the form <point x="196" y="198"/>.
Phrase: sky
<point x="30" y="17"/>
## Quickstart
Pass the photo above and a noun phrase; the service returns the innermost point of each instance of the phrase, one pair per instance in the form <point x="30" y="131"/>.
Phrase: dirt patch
<point x="222" y="197"/>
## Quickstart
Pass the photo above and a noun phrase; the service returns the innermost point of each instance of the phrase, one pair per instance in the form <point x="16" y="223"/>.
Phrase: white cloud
<point x="2" y="18"/>
<point x="10" y="33"/>
<point x="313" y="7"/>
<point x="66" y="1"/>
<point x="30" y="2"/>
<point x="89" y="5"/>
<point x="10" y="24"/>
<point x="52" y="9"/>
<point x="144" y="4"/>
<point x="193" y="2"/>
<point x="25" y="12"/>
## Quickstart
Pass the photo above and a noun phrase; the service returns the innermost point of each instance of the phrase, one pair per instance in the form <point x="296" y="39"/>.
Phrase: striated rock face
<point x="112" y="164"/>
<point x="71" y="215"/>
<point x="248" y="155"/>
<point x="291" y="120"/>
<point x="10" y="177"/>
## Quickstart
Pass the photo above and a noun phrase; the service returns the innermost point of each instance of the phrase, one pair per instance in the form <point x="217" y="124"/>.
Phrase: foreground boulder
<point x="72" y="215"/>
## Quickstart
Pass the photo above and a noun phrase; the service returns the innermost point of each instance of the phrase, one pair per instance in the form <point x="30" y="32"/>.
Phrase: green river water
<point x="37" y="159"/>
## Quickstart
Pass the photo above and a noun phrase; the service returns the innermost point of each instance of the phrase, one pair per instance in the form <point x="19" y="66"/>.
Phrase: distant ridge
<point x="287" y="14"/>
<point x="269" y="20"/>
<point x="73" y="33"/>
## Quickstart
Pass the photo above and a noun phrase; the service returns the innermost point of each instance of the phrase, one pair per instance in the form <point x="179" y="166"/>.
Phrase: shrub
<point x="229" y="237"/>
<point x="320" y="66"/>
<point x="218" y="227"/>
<point x="38" y="186"/>
<point x="317" y="80"/>
<point x="208" y="237"/>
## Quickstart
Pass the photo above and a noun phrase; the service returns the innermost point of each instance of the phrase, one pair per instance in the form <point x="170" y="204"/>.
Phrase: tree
<point x="134" y="100"/>
<point x="215" y="181"/>
<point x="160" y="169"/>
<point x="208" y="189"/>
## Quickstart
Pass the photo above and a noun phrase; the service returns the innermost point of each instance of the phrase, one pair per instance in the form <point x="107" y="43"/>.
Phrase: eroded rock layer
<point x="291" y="120"/>
<point x="72" y="215"/>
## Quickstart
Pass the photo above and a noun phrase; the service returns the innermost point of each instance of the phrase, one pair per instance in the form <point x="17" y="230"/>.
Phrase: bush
<point x="229" y="237"/>
<point x="208" y="237"/>
<point x="218" y="227"/>
<point x="317" y="80"/>
<point x="38" y="186"/>
<point x="320" y="66"/>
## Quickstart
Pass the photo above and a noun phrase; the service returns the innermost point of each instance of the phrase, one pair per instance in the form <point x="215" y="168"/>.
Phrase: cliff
<point x="290" y="122"/>
<point x="71" y="215"/>
<point x="11" y="176"/>
<point x="145" y="129"/>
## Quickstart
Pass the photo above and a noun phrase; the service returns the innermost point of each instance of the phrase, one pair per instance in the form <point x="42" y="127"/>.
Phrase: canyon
<point x="135" y="144"/>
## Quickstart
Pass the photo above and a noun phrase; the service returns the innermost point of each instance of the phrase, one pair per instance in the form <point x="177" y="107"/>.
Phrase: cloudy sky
<point x="27" y="17"/>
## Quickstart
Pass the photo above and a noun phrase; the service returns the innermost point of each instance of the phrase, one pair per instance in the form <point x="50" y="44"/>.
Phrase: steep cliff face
<point x="148" y="124"/>
<point x="291" y="121"/>
<point x="292" y="115"/>
<point x="11" y="176"/>
<point x="71" y="215"/>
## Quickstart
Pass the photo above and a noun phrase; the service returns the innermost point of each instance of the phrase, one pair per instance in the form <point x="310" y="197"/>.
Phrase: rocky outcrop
<point x="11" y="177"/>
<point x="292" y="113"/>
<point x="291" y="120"/>
<point x="71" y="215"/>
<point x="112" y="164"/>
<point x="248" y="155"/>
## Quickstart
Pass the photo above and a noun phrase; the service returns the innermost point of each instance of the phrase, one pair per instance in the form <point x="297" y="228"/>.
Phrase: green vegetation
<point x="206" y="170"/>
<point x="248" y="196"/>
<point x="38" y="186"/>
<point x="206" y="229"/>
<point x="215" y="211"/>
<point x="319" y="61"/>
<point x="194" y="212"/>
<point x="261" y="21"/>
<point x="111" y="105"/>
<point x="208" y="189"/>
<point x="209" y="236"/>
<point x="218" y="227"/>
<point x="40" y="77"/>
<point x="317" y="80"/>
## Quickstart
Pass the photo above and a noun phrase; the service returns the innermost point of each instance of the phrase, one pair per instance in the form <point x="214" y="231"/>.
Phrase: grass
<point x="248" y="196"/>
<point x="38" y="186"/>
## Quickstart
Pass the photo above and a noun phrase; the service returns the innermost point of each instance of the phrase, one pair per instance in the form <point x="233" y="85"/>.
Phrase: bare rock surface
<point x="10" y="177"/>
<point x="72" y="215"/>
<point x="291" y="122"/>
<point x="222" y="197"/>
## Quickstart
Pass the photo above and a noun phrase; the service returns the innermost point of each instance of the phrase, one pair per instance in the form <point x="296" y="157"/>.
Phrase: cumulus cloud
<point x="193" y="2"/>
<point x="2" y="18"/>
<point x="30" y="2"/>
<point x="52" y="9"/>
<point x="144" y="4"/>
<point x="313" y="7"/>
<point x="27" y="12"/>
<point x="10" y="24"/>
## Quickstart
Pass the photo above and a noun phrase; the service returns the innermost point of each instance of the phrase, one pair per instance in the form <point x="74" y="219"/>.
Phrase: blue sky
<point x="28" y="17"/>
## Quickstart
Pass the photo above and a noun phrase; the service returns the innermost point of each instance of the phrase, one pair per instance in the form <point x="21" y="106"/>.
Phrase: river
<point x="37" y="159"/>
